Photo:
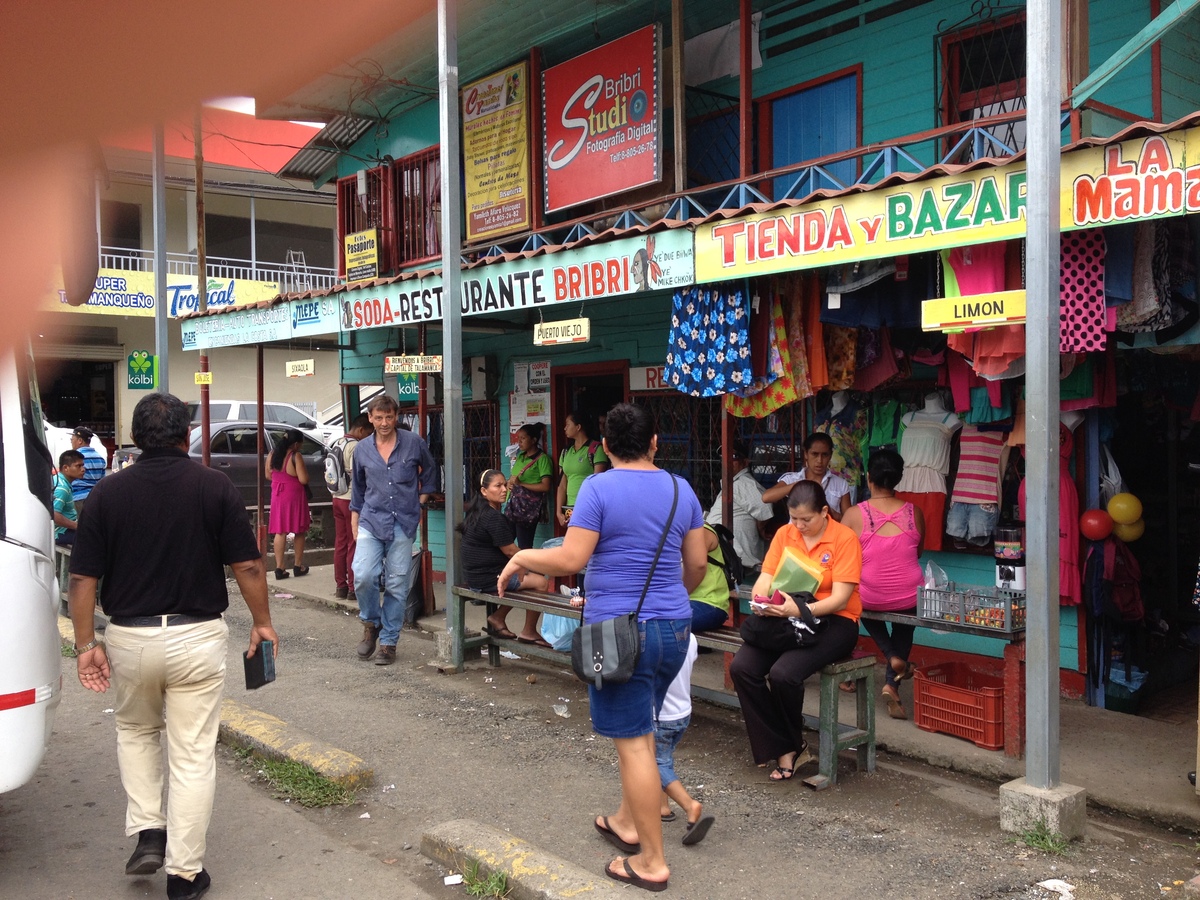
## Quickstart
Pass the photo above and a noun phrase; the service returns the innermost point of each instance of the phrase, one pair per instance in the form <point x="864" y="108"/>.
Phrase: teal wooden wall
<point x="1180" y="67"/>
<point x="1110" y="24"/>
<point x="408" y="133"/>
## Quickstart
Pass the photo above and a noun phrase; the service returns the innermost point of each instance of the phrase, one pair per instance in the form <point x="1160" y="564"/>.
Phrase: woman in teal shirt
<point x="582" y="457"/>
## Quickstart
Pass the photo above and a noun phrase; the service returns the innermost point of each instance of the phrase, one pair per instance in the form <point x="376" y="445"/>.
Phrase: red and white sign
<point x="601" y="117"/>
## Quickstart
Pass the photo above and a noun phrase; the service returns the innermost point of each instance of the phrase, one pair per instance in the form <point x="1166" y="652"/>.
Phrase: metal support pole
<point x="202" y="279"/>
<point x="1044" y="40"/>
<point x="261" y="445"/>
<point x="452" y="409"/>
<point x="159" y="190"/>
<point x="253" y="240"/>
<point x="679" y="89"/>
<point x="746" y="89"/>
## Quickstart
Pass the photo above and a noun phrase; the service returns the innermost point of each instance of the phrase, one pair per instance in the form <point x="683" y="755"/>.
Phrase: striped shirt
<point x="978" y="477"/>
<point x="93" y="471"/>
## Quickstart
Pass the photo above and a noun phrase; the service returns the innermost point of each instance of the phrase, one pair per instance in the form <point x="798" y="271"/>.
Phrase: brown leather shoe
<point x="386" y="655"/>
<point x="366" y="647"/>
<point x="342" y="593"/>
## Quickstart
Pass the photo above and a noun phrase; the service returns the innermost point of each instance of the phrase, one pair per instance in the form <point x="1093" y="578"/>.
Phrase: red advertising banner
<point x="601" y="117"/>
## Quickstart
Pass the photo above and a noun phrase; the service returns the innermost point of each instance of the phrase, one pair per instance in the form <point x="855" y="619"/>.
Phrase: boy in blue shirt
<point x="66" y="519"/>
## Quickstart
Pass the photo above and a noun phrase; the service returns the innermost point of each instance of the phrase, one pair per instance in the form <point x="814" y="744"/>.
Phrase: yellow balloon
<point x="1130" y="531"/>
<point x="1125" y="509"/>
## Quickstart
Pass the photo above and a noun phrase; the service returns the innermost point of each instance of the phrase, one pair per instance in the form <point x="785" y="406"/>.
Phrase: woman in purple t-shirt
<point x="615" y="528"/>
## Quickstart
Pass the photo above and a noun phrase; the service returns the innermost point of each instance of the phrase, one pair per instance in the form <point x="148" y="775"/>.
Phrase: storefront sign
<point x="362" y="255"/>
<point x="495" y="115"/>
<point x="299" y="368"/>
<point x="204" y="377"/>
<point x="975" y="311"/>
<point x="408" y="387"/>
<point x="142" y="371"/>
<point x="647" y="378"/>
<point x="1135" y="180"/>
<point x="320" y="315"/>
<point x="601" y="120"/>
<point x="408" y="365"/>
<point x="123" y="293"/>
<point x="237" y="328"/>
<point x="565" y="331"/>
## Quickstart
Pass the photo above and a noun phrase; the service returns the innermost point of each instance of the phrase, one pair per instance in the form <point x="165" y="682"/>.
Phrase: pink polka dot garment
<point x="1081" y="292"/>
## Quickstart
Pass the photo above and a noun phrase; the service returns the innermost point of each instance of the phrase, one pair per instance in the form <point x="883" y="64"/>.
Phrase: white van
<point x="30" y="646"/>
<point x="281" y="413"/>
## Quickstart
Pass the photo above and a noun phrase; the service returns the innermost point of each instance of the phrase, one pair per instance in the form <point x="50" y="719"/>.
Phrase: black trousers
<point x="898" y="643"/>
<point x="770" y="686"/>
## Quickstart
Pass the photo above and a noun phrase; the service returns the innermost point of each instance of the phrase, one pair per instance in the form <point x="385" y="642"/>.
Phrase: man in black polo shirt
<point x="160" y="534"/>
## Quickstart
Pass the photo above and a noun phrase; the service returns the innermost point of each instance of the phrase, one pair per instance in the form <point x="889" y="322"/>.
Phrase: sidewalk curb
<point x="532" y="873"/>
<point x="242" y="726"/>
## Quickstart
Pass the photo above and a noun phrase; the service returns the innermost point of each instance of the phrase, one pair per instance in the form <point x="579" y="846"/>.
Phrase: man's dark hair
<point x="362" y="422"/>
<point x="160" y="422"/>
<point x="69" y="457"/>
<point x="628" y="430"/>
<point x="383" y="403"/>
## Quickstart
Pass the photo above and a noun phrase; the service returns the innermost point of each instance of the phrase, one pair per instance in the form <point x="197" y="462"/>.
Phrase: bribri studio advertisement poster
<point x="601" y="116"/>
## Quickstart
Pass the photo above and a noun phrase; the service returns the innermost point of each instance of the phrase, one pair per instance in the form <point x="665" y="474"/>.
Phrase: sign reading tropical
<point x="126" y="293"/>
<point x="362" y="255"/>
<point x="973" y="311"/>
<point x="601" y="117"/>
<point x="564" y="331"/>
<point x="495" y="115"/>
<point x="410" y="365"/>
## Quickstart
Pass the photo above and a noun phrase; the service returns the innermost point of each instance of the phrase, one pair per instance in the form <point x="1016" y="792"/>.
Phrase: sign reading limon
<point x="974" y="311"/>
<point x="300" y="368"/>
<point x="408" y="365"/>
<point x="362" y="255"/>
<point x="204" y="378"/>
<point x="566" y="331"/>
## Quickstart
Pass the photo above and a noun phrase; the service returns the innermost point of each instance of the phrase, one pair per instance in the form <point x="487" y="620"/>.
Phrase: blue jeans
<point x="394" y="560"/>
<point x="706" y="616"/>
<point x="628" y="710"/>
<point x="666" y="736"/>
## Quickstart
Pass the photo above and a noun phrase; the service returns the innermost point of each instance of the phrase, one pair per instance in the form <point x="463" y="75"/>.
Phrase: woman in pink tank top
<point x="891" y="532"/>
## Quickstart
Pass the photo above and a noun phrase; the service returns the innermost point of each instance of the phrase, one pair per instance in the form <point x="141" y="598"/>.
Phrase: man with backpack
<point x="339" y="463"/>
<point x="749" y="510"/>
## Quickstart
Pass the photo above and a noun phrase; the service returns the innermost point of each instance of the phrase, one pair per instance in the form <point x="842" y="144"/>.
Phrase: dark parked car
<point x="233" y="449"/>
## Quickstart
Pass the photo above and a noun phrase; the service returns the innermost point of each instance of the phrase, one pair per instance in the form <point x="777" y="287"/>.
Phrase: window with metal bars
<point x="481" y="438"/>
<point x="982" y="67"/>
<point x="359" y="212"/>
<point x="418" y="191"/>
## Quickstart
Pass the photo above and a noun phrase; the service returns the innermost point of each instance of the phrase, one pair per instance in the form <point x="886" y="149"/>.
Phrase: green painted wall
<point x="1110" y="24"/>
<point x="1180" y="65"/>
<point x="404" y="135"/>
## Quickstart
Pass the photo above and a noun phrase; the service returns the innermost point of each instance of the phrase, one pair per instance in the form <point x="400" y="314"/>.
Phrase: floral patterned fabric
<point x="709" y="349"/>
<point x="782" y="390"/>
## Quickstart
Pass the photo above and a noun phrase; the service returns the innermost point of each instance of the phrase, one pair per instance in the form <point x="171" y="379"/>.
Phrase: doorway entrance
<point x="592" y="390"/>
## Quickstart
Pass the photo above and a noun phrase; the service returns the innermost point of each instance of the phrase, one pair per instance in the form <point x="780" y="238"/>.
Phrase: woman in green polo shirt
<point x="582" y="456"/>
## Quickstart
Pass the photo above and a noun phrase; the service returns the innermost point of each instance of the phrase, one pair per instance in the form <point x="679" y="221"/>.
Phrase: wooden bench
<point x="833" y="736"/>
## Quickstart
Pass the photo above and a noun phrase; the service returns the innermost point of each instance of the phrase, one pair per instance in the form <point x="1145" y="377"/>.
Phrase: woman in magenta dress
<point x="289" y="501"/>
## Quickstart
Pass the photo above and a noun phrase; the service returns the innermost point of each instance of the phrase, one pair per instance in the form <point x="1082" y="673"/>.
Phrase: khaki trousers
<point x="169" y="679"/>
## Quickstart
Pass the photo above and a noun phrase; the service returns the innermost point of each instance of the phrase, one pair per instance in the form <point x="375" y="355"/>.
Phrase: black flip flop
<point x="632" y="877"/>
<point x="502" y="633"/>
<point x="536" y="642"/>
<point x="669" y="817"/>
<point x="615" y="839"/>
<point x="697" y="830"/>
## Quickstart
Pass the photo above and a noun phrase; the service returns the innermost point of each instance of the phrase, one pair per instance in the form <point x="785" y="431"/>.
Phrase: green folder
<point x="796" y="574"/>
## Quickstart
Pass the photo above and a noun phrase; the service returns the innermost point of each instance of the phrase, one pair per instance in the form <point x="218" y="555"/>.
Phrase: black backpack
<point x="730" y="562"/>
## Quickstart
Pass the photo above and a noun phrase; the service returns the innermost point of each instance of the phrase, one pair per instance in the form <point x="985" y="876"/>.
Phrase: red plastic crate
<point x="952" y="699"/>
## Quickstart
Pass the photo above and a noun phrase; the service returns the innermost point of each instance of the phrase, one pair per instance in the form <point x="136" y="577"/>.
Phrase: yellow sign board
<point x="974" y="311"/>
<point x="408" y="365"/>
<point x="362" y="255"/>
<point x="300" y="368"/>
<point x="565" y="331"/>
<point x="119" y="292"/>
<point x="495" y="123"/>
<point x="204" y="378"/>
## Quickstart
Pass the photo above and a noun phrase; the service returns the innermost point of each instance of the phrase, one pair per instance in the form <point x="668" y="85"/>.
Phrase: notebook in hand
<point x="260" y="668"/>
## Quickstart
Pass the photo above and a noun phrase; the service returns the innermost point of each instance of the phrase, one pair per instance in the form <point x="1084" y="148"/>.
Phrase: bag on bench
<point x="777" y="634"/>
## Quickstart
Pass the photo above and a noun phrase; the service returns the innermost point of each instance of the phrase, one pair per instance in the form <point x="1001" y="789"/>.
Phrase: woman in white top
<point x="818" y="451"/>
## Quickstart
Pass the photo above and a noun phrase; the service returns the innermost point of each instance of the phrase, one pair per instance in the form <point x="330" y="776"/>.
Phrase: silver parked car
<point x="233" y="449"/>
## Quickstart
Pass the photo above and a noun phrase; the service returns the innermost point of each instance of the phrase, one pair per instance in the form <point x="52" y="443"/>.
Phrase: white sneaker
<point x="567" y="591"/>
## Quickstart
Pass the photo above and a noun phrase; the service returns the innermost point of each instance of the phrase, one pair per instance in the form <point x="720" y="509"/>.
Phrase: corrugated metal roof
<point x="1136" y="130"/>
<point x="321" y="153"/>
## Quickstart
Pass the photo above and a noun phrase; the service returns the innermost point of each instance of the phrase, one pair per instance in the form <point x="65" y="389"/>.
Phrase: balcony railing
<point x="292" y="278"/>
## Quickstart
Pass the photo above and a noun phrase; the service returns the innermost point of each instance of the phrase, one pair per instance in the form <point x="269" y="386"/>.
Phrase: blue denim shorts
<point x="974" y="521"/>
<point x="628" y="710"/>
<point x="514" y="584"/>
<point x="666" y="737"/>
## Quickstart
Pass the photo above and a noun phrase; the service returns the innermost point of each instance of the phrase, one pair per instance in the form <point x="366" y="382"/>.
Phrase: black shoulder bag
<point x="607" y="652"/>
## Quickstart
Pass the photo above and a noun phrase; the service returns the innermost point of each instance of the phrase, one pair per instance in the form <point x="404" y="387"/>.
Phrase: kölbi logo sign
<point x="602" y="115"/>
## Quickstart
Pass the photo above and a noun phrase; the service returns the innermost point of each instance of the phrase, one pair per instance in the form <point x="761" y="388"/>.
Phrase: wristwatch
<point x="90" y="645"/>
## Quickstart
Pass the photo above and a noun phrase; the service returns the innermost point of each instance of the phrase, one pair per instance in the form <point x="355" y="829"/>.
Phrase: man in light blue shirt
<point x="393" y="474"/>
<point x="93" y="465"/>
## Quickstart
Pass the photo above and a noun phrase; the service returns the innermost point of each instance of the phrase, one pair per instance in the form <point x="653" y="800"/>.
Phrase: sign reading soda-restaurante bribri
<point x="600" y="121"/>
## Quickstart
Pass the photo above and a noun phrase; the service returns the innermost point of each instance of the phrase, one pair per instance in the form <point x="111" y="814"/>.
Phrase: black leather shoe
<point x="179" y="888"/>
<point x="1192" y="778"/>
<point x="148" y="856"/>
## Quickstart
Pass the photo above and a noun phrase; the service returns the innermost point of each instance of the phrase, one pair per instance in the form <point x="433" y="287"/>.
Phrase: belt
<point x="160" y="621"/>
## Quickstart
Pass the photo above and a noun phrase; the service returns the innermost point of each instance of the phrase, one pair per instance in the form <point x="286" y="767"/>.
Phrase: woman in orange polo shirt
<point x="774" y="713"/>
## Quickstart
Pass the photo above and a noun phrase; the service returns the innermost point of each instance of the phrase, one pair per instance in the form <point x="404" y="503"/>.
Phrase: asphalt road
<point x="488" y="746"/>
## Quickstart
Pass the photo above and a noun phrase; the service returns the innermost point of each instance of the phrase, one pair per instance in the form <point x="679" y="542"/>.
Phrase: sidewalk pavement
<point x="1129" y="764"/>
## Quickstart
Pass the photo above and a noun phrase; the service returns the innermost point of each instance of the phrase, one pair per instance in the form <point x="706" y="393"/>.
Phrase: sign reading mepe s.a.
<point x="601" y="121"/>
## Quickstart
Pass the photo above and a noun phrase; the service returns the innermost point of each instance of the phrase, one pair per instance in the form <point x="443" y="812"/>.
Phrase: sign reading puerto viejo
<point x="362" y="255"/>
<point x="299" y="368"/>
<point x="564" y="331"/>
<point x="495" y="117"/>
<point x="973" y="311"/>
<point x="601" y="121"/>
<point x="407" y="365"/>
